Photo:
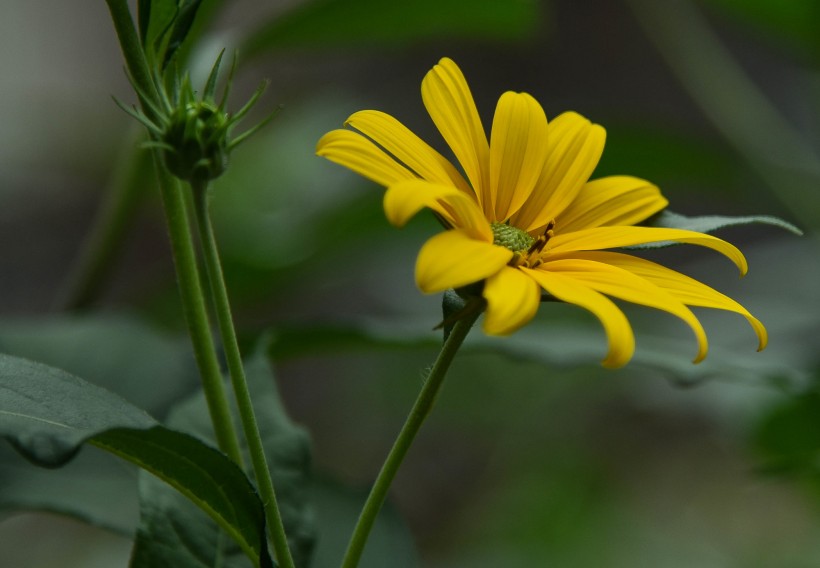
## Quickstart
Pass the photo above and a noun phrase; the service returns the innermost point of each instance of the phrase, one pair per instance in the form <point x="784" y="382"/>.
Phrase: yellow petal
<point x="452" y="259"/>
<point x="614" y="237"/>
<point x="688" y="290"/>
<point x="450" y="104"/>
<point x="512" y="301"/>
<point x="404" y="199"/>
<point x="359" y="154"/>
<point x="518" y="151"/>
<point x="574" y="147"/>
<point x="623" y="284"/>
<point x="614" y="200"/>
<point x="619" y="333"/>
<point x="408" y="148"/>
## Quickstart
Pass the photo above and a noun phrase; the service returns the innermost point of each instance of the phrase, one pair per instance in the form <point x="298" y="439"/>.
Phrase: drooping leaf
<point x="359" y="23"/>
<point x="47" y="414"/>
<point x="710" y="224"/>
<point x="168" y="523"/>
<point x="149" y="368"/>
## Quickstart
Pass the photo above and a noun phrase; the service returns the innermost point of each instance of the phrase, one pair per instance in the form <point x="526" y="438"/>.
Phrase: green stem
<point x="213" y="268"/>
<point x="132" y="51"/>
<point x="182" y="248"/>
<point x="196" y="314"/>
<point x="415" y="419"/>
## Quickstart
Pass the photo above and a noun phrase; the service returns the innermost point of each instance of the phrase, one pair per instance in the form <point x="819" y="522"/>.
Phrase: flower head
<point x="525" y="217"/>
<point x="194" y="134"/>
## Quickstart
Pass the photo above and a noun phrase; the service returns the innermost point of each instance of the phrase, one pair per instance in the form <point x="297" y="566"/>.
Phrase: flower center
<point x="527" y="249"/>
<point x="511" y="237"/>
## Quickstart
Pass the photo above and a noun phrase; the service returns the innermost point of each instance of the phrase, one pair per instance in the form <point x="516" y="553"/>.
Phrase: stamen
<point x="542" y="240"/>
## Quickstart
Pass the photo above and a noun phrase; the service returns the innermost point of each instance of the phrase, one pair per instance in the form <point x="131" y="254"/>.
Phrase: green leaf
<point x="206" y="477"/>
<point x="47" y="414"/>
<point x="168" y="523"/>
<point x="182" y="26"/>
<point x="149" y="368"/>
<point x="709" y="224"/>
<point x="361" y="23"/>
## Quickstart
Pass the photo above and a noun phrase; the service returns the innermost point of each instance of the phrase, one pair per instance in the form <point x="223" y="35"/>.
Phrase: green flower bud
<point x="196" y="141"/>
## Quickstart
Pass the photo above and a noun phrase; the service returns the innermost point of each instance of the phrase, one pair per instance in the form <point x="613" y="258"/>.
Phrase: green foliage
<point x="47" y="414"/>
<point x="323" y="24"/>
<point x="169" y="524"/>
<point x="164" y="25"/>
<point x="794" y="21"/>
<point x="709" y="224"/>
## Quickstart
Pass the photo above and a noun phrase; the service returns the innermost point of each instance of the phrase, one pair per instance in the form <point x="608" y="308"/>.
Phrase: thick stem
<point x="213" y="268"/>
<point x="196" y="314"/>
<point x="190" y="288"/>
<point x="415" y="419"/>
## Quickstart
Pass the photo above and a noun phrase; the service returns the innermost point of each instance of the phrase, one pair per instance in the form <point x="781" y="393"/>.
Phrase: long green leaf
<point x="168" y="524"/>
<point x="47" y="414"/>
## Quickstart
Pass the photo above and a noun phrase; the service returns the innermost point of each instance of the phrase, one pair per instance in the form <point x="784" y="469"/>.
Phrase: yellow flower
<point x="527" y="217"/>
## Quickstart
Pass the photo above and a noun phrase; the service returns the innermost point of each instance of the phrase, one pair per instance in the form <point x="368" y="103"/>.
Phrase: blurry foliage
<point x="302" y="239"/>
<point x="794" y="21"/>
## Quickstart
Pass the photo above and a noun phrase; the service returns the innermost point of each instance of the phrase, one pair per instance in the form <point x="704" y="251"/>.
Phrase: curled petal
<point x="620" y="283"/>
<point x="452" y="259"/>
<point x="404" y="199"/>
<point x="613" y="200"/>
<point x="354" y="151"/>
<point x="450" y="104"/>
<point x="574" y="147"/>
<point x="618" y="331"/>
<point x="614" y="237"/>
<point x="688" y="290"/>
<point x="408" y="148"/>
<point x="512" y="301"/>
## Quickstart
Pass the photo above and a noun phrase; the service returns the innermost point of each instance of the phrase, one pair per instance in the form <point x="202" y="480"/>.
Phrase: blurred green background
<point x="534" y="456"/>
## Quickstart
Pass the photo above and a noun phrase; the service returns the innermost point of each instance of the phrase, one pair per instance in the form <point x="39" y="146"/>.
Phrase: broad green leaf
<point x="149" y="368"/>
<point x="47" y="414"/>
<point x="359" y="23"/>
<point x="709" y="224"/>
<point x="169" y="523"/>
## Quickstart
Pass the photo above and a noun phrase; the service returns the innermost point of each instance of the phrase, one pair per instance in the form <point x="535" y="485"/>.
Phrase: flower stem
<point x="182" y="248"/>
<point x="213" y="268"/>
<point x="196" y="314"/>
<point x="419" y="412"/>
